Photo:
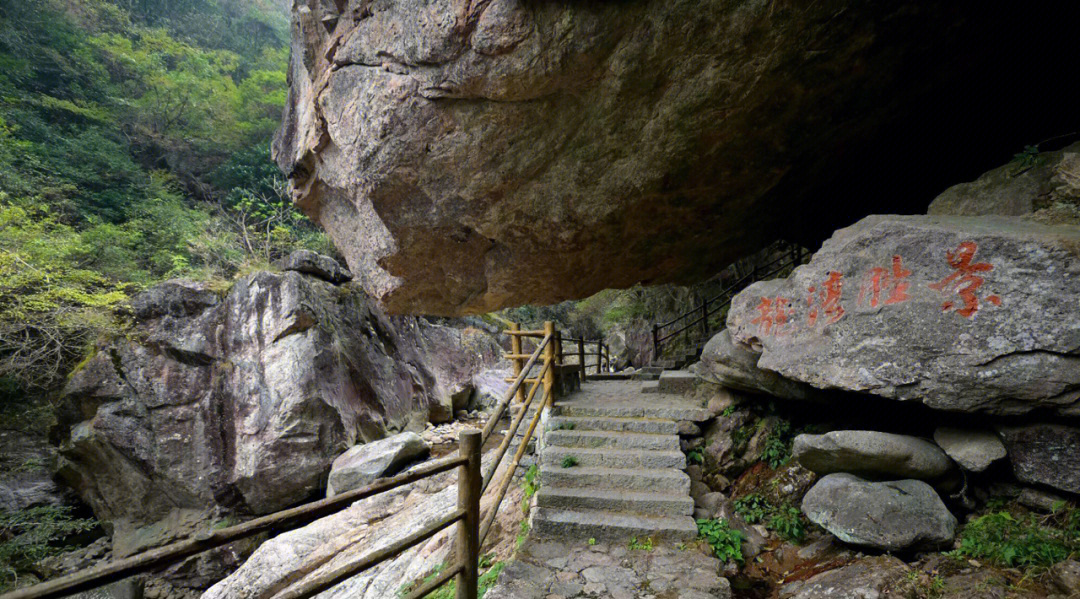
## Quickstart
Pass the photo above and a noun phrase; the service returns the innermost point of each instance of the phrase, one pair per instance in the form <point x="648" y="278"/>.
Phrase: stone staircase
<point x="628" y="479"/>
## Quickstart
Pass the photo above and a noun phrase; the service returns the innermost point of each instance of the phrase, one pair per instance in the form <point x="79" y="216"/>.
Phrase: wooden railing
<point x="472" y="529"/>
<point x="561" y="351"/>
<point x="697" y="323"/>
<point x="602" y="353"/>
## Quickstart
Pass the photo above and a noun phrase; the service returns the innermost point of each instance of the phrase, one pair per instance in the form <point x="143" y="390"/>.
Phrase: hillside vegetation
<point x="134" y="147"/>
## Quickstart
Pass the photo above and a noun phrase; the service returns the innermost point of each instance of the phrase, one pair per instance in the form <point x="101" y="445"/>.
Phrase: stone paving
<point x="548" y="568"/>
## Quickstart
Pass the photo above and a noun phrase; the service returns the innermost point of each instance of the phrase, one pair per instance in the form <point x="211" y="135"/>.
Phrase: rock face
<point x="871" y="453"/>
<point x="961" y="313"/>
<point x="26" y="462"/>
<point x="1044" y="186"/>
<point x="868" y="578"/>
<point x="211" y="406"/>
<point x="735" y="366"/>
<point x="1045" y="454"/>
<point x="892" y="516"/>
<point x="313" y="263"/>
<point x="973" y="450"/>
<point x="467" y="157"/>
<point x="362" y="464"/>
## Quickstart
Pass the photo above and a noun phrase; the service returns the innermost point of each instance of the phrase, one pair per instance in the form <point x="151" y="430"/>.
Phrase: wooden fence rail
<point x="471" y="528"/>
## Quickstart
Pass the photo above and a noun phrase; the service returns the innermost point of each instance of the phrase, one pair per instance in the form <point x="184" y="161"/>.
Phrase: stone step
<point x="677" y="381"/>
<point x="615" y="440"/>
<point x="614" y="458"/>
<point x="633" y="425"/>
<point x="651" y="386"/>
<point x="647" y="373"/>
<point x="606" y="525"/>
<point x="633" y="479"/>
<point x="609" y="376"/>
<point x="633" y="408"/>
<point x="643" y="503"/>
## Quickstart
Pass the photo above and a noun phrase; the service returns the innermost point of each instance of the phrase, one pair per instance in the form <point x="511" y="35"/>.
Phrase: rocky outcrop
<point x="315" y="264"/>
<point x="960" y="313"/>
<point x="867" y="578"/>
<point x="26" y="464"/>
<point x="871" y="453"/>
<point x="974" y="450"/>
<point x="1045" y="454"/>
<point x="735" y="367"/>
<point x="892" y="516"/>
<point x="362" y="464"/>
<point x="214" y="405"/>
<point x="466" y="157"/>
<point x="1043" y="186"/>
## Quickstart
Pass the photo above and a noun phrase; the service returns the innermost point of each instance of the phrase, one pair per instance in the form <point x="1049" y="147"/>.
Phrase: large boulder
<point x="974" y="450"/>
<point x="871" y="453"/>
<point x="735" y="367"/>
<point x="362" y="464"/>
<point x="1045" y="454"/>
<point x="471" y="156"/>
<point x="961" y="313"/>
<point x="217" y="406"/>
<point x="891" y="516"/>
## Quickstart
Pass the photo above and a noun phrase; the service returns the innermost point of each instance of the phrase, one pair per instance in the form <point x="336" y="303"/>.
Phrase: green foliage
<point x="1022" y="540"/>
<point x="523" y="533"/>
<point x="786" y="521"/>
<point x="565" y="426"/>
<point x="1025" y="160"/>
<point x="569" y="461"/>
<point x="728" y="412"/>
<point x="777" y="449"/>
<point x="134" y="147"/>
<point x="30" y="535"/>
<point x="694" y="456"/>
<point x="530" y="483"/>
<point x="726" y="542"/>
<point x="486" y="580"/>
<point x="592" y="541"/>
<point x="645" y="544"/>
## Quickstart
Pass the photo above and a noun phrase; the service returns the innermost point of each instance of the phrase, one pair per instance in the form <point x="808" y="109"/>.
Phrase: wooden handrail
<point x="471" y="531"/>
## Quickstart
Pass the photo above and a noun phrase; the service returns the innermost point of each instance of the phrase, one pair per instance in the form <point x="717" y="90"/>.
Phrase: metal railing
<point x="696" y="324"/>
<point x="472" y="528"/>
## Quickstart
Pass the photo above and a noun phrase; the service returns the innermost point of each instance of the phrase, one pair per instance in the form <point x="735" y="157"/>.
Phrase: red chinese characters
<point x="773" y="315"/>
<point x="829" y="295"/>
<point x="889" y="283"/>
<point x="964" y="280"/>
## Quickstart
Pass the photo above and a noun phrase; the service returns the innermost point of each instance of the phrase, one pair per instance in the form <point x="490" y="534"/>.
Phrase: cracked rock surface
<point x="961" y="313"/>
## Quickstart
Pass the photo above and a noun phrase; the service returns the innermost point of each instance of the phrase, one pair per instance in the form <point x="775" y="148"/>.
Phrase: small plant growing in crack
<point x="569" y="461"/>
<point x="645" y="544"/>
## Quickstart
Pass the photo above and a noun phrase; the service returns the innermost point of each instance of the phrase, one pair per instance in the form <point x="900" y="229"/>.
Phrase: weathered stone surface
<point x="237" y="405"/>
<point x="362" y="464"/>
<point x="735" y="366"/>
<point x="466" y="157"/>
<point x="871" y="453"/>
<point x="960" y="313"/>
<point x="1066" y="577"/>
<point x="894" y="515"/>
<point x="1045" y="454"/>
<point x="867" y="578"/>
<point x="26" y="464"/>
<point x="1044" y="187"/>
<point x="974" y="450"/>
<point x="315" y="264"/>
<point x="364" y="527"/>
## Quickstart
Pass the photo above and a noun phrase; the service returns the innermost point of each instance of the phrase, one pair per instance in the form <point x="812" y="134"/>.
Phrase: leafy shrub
<point x="725" y="541"/>
<point x="787" y="521"/>
<point x="1024" y="540"/>
<point x="645" y="544"/>
<point x="777" y="448"/>
<point x="569" y="461"/>
<point x="695" y="456"/>
<point x="33" y="534"/>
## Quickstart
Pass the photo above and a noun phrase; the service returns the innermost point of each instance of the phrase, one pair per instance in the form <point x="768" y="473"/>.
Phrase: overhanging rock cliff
<point x="467" y="156"/>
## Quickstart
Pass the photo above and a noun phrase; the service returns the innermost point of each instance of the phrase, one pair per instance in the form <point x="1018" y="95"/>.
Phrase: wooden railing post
<point x="705" y="319"/>
<point x="549" y="361"/>
<point x="515" y="348"/>
<point x="581" y="356"/>
<point x="468" y="528"/>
